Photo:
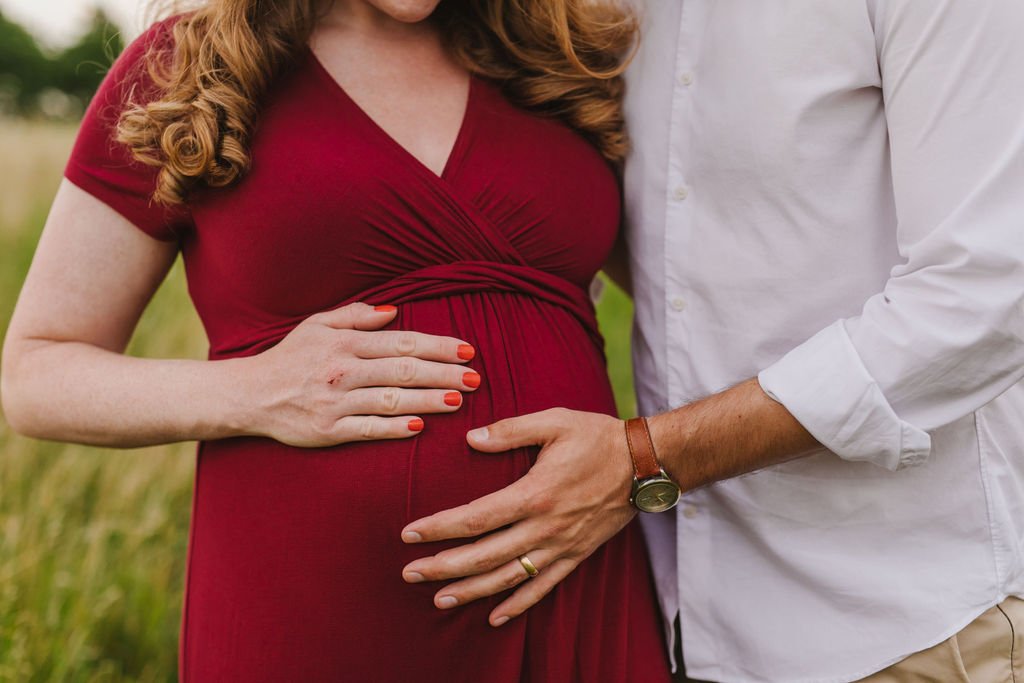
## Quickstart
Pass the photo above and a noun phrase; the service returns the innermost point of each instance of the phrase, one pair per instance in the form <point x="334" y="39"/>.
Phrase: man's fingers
<point x="357" y="316"/>
<point x="504" y="578"/>
<point x="389" y="343"/>
<point x="488" y="513"/>
<point x="535" y="429"/>
<point x="486" y="554"/>
<point x="410" y="372"/>
<point x="395" y="401"/>
<point x="372" y="428"/>
<point x="530" y="593"/>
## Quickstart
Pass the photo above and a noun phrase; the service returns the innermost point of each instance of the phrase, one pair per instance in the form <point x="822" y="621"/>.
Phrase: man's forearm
<point x="730" y="433"/>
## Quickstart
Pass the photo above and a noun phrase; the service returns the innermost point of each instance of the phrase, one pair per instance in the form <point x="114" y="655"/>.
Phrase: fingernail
<point x="466" y="352"/>
<point x="453" y="398"/>
<point x="471" y="379"/>
<point x="411" y="537"/>
<point x="447" y="601"/>
<point x="385" y="309"/>
<point x="501" y="621"/>
<point x="416" y="425"/>
<point x="481" y="434"/>
<point x="413" y="577"/>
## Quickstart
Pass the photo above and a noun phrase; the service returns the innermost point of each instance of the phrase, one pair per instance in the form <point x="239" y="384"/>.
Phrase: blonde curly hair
<point x="559" y="58"/>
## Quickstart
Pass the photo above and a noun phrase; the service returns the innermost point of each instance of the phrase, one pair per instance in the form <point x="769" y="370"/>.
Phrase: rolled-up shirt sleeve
<point x="946" y="335"/>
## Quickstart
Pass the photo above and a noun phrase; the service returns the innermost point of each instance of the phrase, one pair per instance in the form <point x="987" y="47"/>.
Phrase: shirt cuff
<point x="826" y="387"/>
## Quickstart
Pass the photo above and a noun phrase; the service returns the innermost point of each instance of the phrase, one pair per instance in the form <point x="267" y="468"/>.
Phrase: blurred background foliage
<point x="35" y="81"/>
<point x="93" y="541"/>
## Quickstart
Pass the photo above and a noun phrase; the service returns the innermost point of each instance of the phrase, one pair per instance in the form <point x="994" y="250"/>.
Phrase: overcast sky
<point x="56" y="22"/>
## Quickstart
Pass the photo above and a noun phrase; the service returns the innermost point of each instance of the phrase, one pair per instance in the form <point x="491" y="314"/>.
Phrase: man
<point x="826" y="213"/>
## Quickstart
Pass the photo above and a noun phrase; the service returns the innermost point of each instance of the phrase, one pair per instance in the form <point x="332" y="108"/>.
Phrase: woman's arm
<point x="64" y="376"/>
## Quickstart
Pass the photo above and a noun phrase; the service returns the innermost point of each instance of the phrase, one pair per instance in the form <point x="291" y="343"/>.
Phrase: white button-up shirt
<point x="830" y="195"/>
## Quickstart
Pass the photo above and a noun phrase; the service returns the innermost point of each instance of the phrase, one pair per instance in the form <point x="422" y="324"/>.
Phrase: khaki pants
<point x="989" y="650"/>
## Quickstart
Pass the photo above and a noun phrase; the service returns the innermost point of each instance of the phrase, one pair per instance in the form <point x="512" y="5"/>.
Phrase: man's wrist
<point x="725" y="435"/>
<point x="652" y="489"/>
<point x="670" y="433"/>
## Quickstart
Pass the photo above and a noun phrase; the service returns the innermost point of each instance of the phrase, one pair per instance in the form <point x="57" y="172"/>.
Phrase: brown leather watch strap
<point x="641" y="448"/>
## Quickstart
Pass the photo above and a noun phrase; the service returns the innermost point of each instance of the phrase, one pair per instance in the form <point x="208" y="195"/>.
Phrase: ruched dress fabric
<point x="295" y="556"/>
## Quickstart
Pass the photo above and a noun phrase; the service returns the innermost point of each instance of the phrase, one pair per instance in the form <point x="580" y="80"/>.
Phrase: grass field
<point x="92" y="541"/>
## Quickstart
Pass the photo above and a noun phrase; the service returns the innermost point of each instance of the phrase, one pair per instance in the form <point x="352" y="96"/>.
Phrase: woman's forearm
<point x="77" y="392"/>
<point x="335" y="378"/>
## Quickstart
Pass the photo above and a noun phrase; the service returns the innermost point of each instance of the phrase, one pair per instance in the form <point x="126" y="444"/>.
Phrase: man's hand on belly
<point x="574" y="499"/>
<point x="576" y="496"/>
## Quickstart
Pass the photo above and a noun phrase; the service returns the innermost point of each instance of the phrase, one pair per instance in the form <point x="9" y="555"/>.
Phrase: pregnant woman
<point x="445" y="171"/>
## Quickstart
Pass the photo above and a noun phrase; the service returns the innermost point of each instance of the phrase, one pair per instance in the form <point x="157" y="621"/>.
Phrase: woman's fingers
<point x="356" y="316"/>
<point x="374" y="427"/>
<point x="411" y="372"/>
<point x="396" y="401"/>
<point x="392" y="343"/>
<point x="369" y="341"/>
<point x="504" y="578"/>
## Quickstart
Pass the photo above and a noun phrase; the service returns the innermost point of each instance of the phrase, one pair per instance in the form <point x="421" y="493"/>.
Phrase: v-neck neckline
<point x="454" y="154"/>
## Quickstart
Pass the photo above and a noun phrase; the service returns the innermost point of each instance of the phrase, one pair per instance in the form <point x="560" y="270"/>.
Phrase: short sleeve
<point x="104" y="167"/>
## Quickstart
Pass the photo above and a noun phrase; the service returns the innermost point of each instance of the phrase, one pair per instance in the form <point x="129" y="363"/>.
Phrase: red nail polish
<point x="466" y="352"/>
<point x="471" y="379"/>
<point x="388" y="308"/>
<point x="453" y="398"/>
<point x="416" y="425"/>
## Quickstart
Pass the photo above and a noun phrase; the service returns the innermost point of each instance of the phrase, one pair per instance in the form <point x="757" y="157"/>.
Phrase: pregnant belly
<point x="293" y="549"/>
<point x="531" y="355"/>
<point x="266" y="513"/>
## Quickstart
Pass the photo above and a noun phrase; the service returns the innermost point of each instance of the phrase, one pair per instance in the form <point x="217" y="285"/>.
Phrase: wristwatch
<point x="653" y="489"/>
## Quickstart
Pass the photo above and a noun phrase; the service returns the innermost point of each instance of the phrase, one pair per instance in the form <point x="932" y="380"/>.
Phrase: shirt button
<point x="681" y="193"/>
<point x="686" y="78"/>
<point x="689" y="512"/>
<point x="678" y="303"/>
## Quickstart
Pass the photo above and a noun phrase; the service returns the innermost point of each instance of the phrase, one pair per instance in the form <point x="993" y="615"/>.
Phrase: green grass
<point x="615" y="316"/>
<point x="92" y="541"/>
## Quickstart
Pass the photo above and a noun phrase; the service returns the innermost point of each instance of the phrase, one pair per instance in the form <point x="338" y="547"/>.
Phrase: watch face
<point x="657" y="495"/>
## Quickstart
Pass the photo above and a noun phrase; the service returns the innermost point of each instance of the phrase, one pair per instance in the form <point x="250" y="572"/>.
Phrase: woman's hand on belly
<point x="338" y="377"/>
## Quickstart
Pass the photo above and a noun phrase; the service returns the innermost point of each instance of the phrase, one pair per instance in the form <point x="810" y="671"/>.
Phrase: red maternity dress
<point x="295" y="559"/>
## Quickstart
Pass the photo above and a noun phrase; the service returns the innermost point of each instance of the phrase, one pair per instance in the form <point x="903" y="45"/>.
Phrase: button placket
<point x="679" y="209"/>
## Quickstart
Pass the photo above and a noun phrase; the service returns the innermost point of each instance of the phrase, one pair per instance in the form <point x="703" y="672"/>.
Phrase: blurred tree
<point x="24" y="70"/>
<point x="79" y="69"/>
<point x="33" y="82"/>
